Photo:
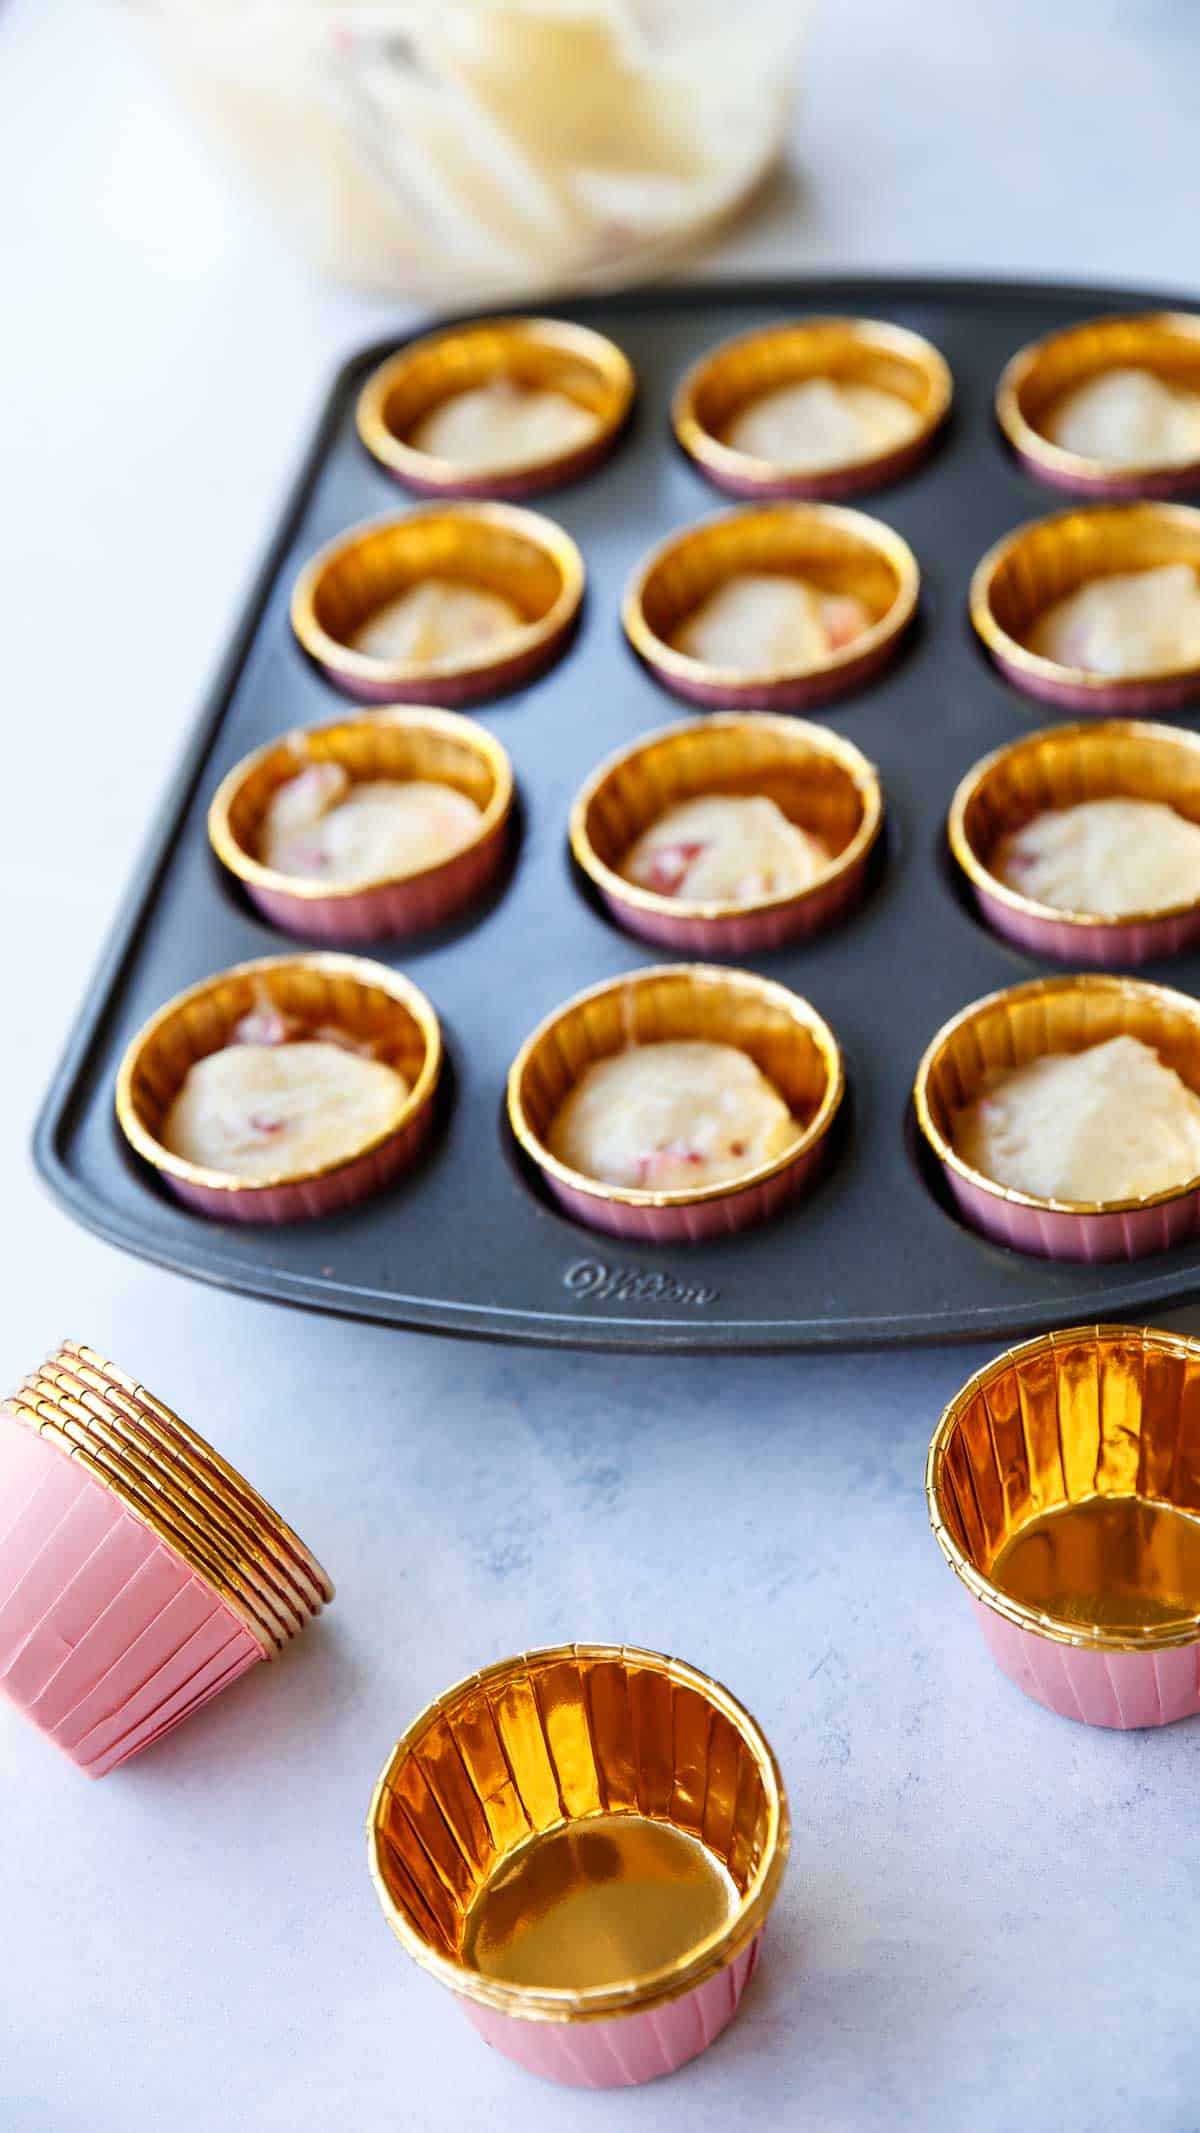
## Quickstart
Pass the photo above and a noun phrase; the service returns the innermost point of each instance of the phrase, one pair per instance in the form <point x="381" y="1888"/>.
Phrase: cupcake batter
<point x="671" y="1117"/>
<point x="819" y="422"/>
<point x="1128" y="417"/>
<point x="1135" y="622"/>
<point x="503" y="424"/>
<point x="760" y="620"/>
<point x="1111" y="858"/>
<point x="1108" y="1123"/>
<point x="438" y="618"/>
<point x="254" y="1110"/>
<point x="728" y="850"/>
<point x="322" y="826"/>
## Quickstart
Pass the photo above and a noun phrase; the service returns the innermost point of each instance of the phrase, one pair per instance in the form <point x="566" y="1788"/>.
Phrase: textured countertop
<point x="991" y="1918"/>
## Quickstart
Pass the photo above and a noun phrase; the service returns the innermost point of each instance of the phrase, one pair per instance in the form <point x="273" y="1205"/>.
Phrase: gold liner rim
<point x="324" y="961"/>
<point x="1086" y="730"/>
<point x="800" y="1010"/>
<point x="821" y="742"/>
<point x="873" y="532"/>
<point x="594" y="2002"/>
<point x="1086" y="1637"/>
<point x="600" y="354"/>
<point x="710" y="453"/>
<point x="426" y="717"/>
<point x="541" y="532"/>
<point x="1013" y="653"/>
<point x="1090" y="981"/>
<point x="1035" y="445"/>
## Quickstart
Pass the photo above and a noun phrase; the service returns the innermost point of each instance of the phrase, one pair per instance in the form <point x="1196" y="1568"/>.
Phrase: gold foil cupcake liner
<point x="364" y="1000"/>
<point x="525" y="558"/>
<point x="1036" y="380"/>
<point x="851" y="351"/>
<point x="533" y="353"/>
<point x="1042" y="562"/>
<point x="838" y="551"/>
<point x="821" y="783"/>
<point x="564" y="1737"/>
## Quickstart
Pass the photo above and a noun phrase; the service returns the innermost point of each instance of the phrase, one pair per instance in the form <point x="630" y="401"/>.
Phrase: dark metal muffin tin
<point x="468" y="1243"/>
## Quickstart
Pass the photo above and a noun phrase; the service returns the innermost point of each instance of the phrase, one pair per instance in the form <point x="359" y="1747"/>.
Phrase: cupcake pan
<point x="468" y="1239"/>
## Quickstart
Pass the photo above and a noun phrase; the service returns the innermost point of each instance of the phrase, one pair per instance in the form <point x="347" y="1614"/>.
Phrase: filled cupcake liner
<point x="505" y="549"/>
<point x="1107" y="1411"/>
<point x="788" y="1041"/>
<point x="364" y="999"/>
<point x="552" y="1739"/>
<point x="421" y="743"/>
<point x="1047" y="559"/>
<point x="1037" y="377"/>
<point x="1008" y="1030"/>
<point x="1057" y="768"/>
<point x="97" y="1615"/>
<point x="820" y="781"/>
<point x="531" y="352"/>
<point x="853" y="351"/>
<point x="630" y="2049"/>
<point x="841" y="551"/>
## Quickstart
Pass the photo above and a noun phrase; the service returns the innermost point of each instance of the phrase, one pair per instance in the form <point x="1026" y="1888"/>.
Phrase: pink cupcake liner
<point x="1060" y="1233"/>
<point x="839" y="482"/>
<point x="450" y="691"/>
<point x="1116" y="487"/>
<point x="393" y="908"/>
<point x="1104" y="945"/>
<point x="791" y="692"/>
<point x="1128" y="698"/>
<point x="747" y="932"/>
<point x="519" y="484"/>
<point x="627" y="2049"/>
<point x="100" y="1753"/>
<point x="1117" y="1689"/>
<point x="305" y="1199"/>
<point x="136" y="1694"/>
<point x="692" y="1221"/>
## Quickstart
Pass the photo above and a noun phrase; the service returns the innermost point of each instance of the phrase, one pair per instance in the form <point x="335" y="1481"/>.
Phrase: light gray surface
<point x="991" y="1918"/>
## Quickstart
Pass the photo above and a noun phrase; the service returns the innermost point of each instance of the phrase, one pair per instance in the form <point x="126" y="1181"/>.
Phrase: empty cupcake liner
<point x="819" y="781"/>
<point x="364" y="999"/>
<point x="841" y="551"/>
<point x="852" y="352"/>
<point x="400" y="744"/>
<point x="543" y="353"/>
<point x="596" y="1744"/>
<point x="1091" y="1412"/>
<point x="1040" y="375"/>
<point x="790" y="1043"/>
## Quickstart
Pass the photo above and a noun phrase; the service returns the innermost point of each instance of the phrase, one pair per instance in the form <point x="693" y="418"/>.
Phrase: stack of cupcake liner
<point x="139" y="1572"/>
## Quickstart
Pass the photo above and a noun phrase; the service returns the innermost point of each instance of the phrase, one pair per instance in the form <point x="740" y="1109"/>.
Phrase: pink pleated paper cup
<point x="792" y="1045"/>
<point x="838" y="551"/>
<point x="583" y="1845"/>
<point x="1035" y="382"/>
<point x="1008" y="1030"/>
<point x="850" y="352"/>
<point x="393" y="745"/>
<point x="304" y="996"/>
<point x="498" y="548"/>
<point x="1045" y="561"/>
<point x="1062" y="767"/>
<point x="821" y="783"/>
<point x="1063" y="1485"/>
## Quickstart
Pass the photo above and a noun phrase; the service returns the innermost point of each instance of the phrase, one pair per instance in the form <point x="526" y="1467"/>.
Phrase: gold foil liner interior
<point x="1061" y="767"/>
<point x="820" y="782"/>
<point x="389" y="743"/>
<point x="566" y="1736"/>
<point x="1026" y="572"/>
<point x="1039" y="377"/>
<point x="786" y="1038"/>
<point x="1061" y="1014"/>
<point x="364" y="1000"/>
<point x="1107" y="1412"/>
<point x="518" y="554"/>
<point x="533" y="353"/>
<point x="850" y="351"/>
<point x="837" y="550"/>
